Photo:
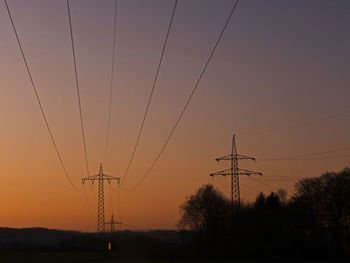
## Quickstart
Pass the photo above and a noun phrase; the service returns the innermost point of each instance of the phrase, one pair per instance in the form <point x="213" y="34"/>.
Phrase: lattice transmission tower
<point x="100" y="177"/>
<point x="234" y="171"/>
<point x="112" y="223"/>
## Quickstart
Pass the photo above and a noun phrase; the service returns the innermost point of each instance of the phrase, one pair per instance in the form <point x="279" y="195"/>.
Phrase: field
<point x="28" y="257"/>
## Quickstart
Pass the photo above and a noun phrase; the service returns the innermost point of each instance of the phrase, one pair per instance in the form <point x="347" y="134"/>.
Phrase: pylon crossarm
<point x="243" y="157"/>
<point x="90" y="178"/>
<point x="244" y="173"/>
<point x="224" y="158"/>
<point x="247" y="172"/>
<point x="109" y="177"/>
<point x="223" y="173"/>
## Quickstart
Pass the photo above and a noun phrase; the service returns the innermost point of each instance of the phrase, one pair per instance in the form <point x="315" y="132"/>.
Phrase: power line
<point x="315" y="158"/>
<point x="296" y="125"/>
<point x="274" y="171"/>
<point x="88" y="206"/>
<point x="38" y="100"/>
<point x="111" y="84"/>
<point x="77" y="87"/>
<point x="324" y="158"/>
<point x="297" y="157"/>
<point x="120" y="206"/>
<point x="284" y="179"/>
<point x="262" y="161"/>
<point x="151" y="94"/>
<point x="110" y="198"/>
<point x="280" y="177"/>
<point x="252" y="189"/>
<point x="336" y="157"/>
<point x="265" y="184"/>
<point x="92" y="189"/>
<point x="189" y="98"/>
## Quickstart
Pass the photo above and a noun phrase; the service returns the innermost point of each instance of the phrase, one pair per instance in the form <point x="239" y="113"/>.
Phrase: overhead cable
<point x="189" y="98"/>
<point x="39" y="102"/>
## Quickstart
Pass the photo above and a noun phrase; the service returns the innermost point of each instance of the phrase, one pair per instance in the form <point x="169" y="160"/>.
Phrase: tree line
<point x="313" y="222"/>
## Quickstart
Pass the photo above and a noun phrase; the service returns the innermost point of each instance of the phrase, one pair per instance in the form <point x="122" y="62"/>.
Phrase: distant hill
<point x="43" y="239"/>
<point x="33" y="236"/>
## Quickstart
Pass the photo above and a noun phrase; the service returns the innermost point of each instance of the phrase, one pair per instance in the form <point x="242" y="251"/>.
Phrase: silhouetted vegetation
<point x="314" y="222"/>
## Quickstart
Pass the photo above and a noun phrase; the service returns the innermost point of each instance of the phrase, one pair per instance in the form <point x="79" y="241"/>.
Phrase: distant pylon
<point x="113" y="223"/>
<point x="100" y="177"/>
<point x="234" y="172"/>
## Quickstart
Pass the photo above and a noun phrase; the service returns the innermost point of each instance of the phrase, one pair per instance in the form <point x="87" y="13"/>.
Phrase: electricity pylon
<point x="112" y="223"/>
<point x="234" y="171"/>
<point x="100" y="177"/>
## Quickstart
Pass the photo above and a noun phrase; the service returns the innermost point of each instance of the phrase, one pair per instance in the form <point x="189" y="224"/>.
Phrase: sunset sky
<point x="279" y="80"/>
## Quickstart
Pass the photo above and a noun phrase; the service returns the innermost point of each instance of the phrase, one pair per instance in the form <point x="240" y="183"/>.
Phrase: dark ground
<point x="38" y="257"/>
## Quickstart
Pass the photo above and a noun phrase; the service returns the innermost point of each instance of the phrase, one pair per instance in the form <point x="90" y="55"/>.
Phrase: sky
<point x="279" y="80"/>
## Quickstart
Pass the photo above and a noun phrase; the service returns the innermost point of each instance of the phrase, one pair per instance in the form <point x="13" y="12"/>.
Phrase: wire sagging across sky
<point x="297" y="125"/>
<point x="302" y="156"/>
<point x="112" y="81"/>
<point x="151" y="94"/>
<point x="39" y="101"/>
<point x="189" y="98"/>
<point x="78" y="90"/>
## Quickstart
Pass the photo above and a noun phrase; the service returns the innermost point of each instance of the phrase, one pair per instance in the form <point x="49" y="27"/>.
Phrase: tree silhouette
<point x="325" y="203"/>
<point x="206" y="214"/>
<point x="314" y="222"/>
